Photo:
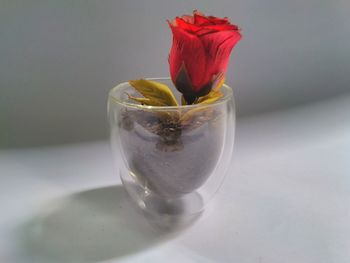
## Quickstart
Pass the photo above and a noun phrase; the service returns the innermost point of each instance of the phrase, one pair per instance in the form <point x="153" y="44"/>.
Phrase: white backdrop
<point x="58" y="59"/>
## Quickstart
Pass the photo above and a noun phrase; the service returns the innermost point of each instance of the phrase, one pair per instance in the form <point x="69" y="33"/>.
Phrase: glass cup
<point x="171" y="159"/>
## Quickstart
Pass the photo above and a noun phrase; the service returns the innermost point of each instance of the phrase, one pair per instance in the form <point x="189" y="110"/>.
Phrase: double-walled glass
<point x="171" y="160"/>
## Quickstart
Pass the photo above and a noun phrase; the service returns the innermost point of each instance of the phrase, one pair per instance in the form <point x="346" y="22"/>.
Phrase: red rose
<point x="200" y="52"/>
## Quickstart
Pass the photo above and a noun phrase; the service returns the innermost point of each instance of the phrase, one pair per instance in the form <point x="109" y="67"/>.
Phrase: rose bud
<point x="200" y="52"/>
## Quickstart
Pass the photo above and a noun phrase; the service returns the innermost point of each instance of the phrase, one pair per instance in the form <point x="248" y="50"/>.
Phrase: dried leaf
<point x="158" y="94"/>
<point x="210" y="98"/>
<point x="140" y="100"/>
<point x="143" y="101"/>
<point x="220" y="83"/>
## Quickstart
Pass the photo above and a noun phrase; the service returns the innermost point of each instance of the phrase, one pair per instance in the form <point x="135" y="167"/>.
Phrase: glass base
<point x="187" y="205"/>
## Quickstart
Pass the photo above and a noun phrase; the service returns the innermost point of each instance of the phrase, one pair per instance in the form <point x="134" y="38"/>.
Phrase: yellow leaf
<point x="173" y="115"/>
<point x="144" y="101"/>
<point x="210" y="97"/>
<point x="158" y="94"/>
<point x="219" y="85"/>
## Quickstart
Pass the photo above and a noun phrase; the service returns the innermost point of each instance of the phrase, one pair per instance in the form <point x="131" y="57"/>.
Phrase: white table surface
<point x="286" y="199"/>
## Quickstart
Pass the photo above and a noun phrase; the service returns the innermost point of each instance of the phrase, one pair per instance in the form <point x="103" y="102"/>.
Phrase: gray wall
<point x="58" y="59"/>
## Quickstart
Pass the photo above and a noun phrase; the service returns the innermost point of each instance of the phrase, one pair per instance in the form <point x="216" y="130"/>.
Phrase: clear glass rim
<point x="227" y="97"/>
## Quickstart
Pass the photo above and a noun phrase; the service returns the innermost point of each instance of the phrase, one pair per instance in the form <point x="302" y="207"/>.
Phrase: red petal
<point x="215" y="28"/>
<point x="201" y="20"/>
<point x="187" y="48"/>
<point x="191" y="28"/>
<point x="219" y="21"/>
<point x="223" y="27"/>
<point x="202" y="44"/>
<point x="218" y="47"/>
<point x="203" y="31"/>
<point x="188" y="19"/>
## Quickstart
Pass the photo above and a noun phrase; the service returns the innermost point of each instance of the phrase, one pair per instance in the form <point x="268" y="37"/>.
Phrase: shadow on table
<point x="89" y="226"/>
